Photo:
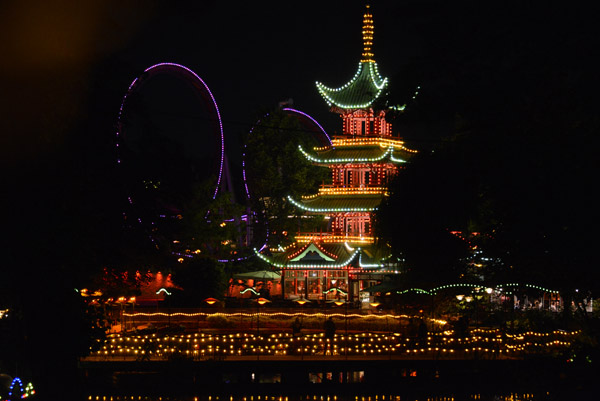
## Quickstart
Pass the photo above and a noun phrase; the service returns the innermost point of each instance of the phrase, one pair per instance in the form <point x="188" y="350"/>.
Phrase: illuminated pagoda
<point x="339" y="263"/>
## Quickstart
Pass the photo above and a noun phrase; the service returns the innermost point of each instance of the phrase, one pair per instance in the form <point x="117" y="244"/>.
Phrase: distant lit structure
<point x="343" y="260"/>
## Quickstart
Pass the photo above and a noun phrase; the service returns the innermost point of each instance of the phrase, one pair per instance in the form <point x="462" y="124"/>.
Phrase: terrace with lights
<point x="214" y="332"/>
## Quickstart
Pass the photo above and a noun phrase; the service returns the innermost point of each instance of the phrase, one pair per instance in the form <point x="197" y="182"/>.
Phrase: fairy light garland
<point x="417" y="290"/>
<point x="477" y="287"/>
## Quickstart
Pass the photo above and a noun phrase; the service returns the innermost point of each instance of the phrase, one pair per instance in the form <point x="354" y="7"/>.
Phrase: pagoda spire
<point x="367" y="36"/>
<point x="366" y="85"/>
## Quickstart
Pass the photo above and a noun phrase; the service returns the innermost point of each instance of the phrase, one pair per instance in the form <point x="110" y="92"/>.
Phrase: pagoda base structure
<point x="328" y="271"/>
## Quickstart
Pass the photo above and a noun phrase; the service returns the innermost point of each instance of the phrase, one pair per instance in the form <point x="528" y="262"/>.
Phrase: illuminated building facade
<point x="339" y="263"/>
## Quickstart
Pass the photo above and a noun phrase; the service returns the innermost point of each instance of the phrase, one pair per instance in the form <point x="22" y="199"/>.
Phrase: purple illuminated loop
<point x="194" y="78"/>
<point x="311" y="119"/>
<point x="244" y="158"/>
<point x="289" y="110"/>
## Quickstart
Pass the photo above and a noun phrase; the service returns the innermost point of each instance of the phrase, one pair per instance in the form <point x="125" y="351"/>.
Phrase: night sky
<point x="66" y="65"/>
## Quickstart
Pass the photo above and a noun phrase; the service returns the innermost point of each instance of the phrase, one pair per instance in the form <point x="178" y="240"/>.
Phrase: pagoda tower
<point x="344" y="260"/>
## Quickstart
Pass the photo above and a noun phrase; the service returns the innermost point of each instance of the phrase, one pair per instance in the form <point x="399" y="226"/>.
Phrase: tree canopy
<point x="275" y="169"/>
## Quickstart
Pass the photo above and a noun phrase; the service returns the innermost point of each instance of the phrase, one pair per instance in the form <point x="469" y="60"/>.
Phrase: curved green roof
<point x="362" y="154"/>
<point x="362" y="90"/>
<point x="342" y="255"/>
<point x="370" y="258"/>
<point x="339" y="203"/>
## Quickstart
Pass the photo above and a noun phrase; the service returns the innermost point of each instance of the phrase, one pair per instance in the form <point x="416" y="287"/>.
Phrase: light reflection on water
<point x="329" y="397"/>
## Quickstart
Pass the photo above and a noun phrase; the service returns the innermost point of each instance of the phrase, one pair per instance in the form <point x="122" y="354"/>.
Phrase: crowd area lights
<point x="491" y="342"/>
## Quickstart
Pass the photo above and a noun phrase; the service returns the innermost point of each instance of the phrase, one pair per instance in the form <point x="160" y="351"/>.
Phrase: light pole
<point x="210" y="302"/>
<point x="345" y="303"/>
<point x="301" y="302"/>
<point x="468" y="300"/>
<point x="132" y="300"/>
<point x="121" y="301"/>
<point x="259" y="302"/>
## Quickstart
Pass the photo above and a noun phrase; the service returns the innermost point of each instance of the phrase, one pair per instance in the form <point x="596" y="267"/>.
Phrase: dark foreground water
<point x="342" y="380"/>
<point x="329" y="397"/>
<point x="346" y="397"/>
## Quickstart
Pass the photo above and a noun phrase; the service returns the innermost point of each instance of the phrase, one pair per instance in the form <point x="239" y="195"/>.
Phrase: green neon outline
<point x="292" y="265"/>
<point x="373" y="75"/>
<point x="313" y="210"/>
<point x="389" y="152"/>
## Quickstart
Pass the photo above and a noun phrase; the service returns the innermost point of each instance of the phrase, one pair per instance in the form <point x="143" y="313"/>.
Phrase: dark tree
<point x="516" y="105"/>
<point x="276" y="169"/>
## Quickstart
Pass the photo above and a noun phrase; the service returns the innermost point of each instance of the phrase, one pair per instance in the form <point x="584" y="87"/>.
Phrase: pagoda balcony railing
<point x="375" y="136"/>
<point x="347" y="190"/>
<point x="349" y="186"/>
<point x="330" y="238"/>
<point x="367" y="188"/>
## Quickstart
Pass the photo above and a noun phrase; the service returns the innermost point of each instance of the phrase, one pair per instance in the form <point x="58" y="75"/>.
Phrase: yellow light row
<point x="319" y="315"/>
<point x="382" y="142"/>
<point x="511" y="397"/>
<point x="347" y="191"/>
<point x="367" y="33"/>
<point x="315" y="347"/>
<point x="276" y="338"/>
<point x="329" y="239"/>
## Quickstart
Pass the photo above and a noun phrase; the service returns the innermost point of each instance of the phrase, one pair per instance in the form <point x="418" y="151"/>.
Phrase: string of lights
<point x="439" y="344"/>
<point x="370" y="72"/>
<point x="387" y="153"/>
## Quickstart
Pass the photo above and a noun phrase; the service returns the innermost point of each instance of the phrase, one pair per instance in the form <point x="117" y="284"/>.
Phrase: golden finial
<point x="367" y="34"/>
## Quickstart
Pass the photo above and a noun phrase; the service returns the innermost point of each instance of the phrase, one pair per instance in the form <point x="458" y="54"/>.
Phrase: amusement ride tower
<point x="344" y="260"/>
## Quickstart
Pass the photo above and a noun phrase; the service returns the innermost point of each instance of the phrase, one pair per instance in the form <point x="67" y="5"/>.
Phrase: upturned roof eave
<point x="383" y="155"/>
<point x="351" y="95"/>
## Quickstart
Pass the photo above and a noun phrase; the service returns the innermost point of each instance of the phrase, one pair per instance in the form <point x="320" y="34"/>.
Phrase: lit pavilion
<point x="340" y="263"/>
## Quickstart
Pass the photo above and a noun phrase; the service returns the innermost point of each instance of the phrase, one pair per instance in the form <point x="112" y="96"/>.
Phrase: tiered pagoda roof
<point x="360" y="150"/>
<point x="325" y="255"/>
<point x="355" y="251"/>
<point x="360" y="92"/>
<point x="366" y="85"/>
<point x="335" y="203"/>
